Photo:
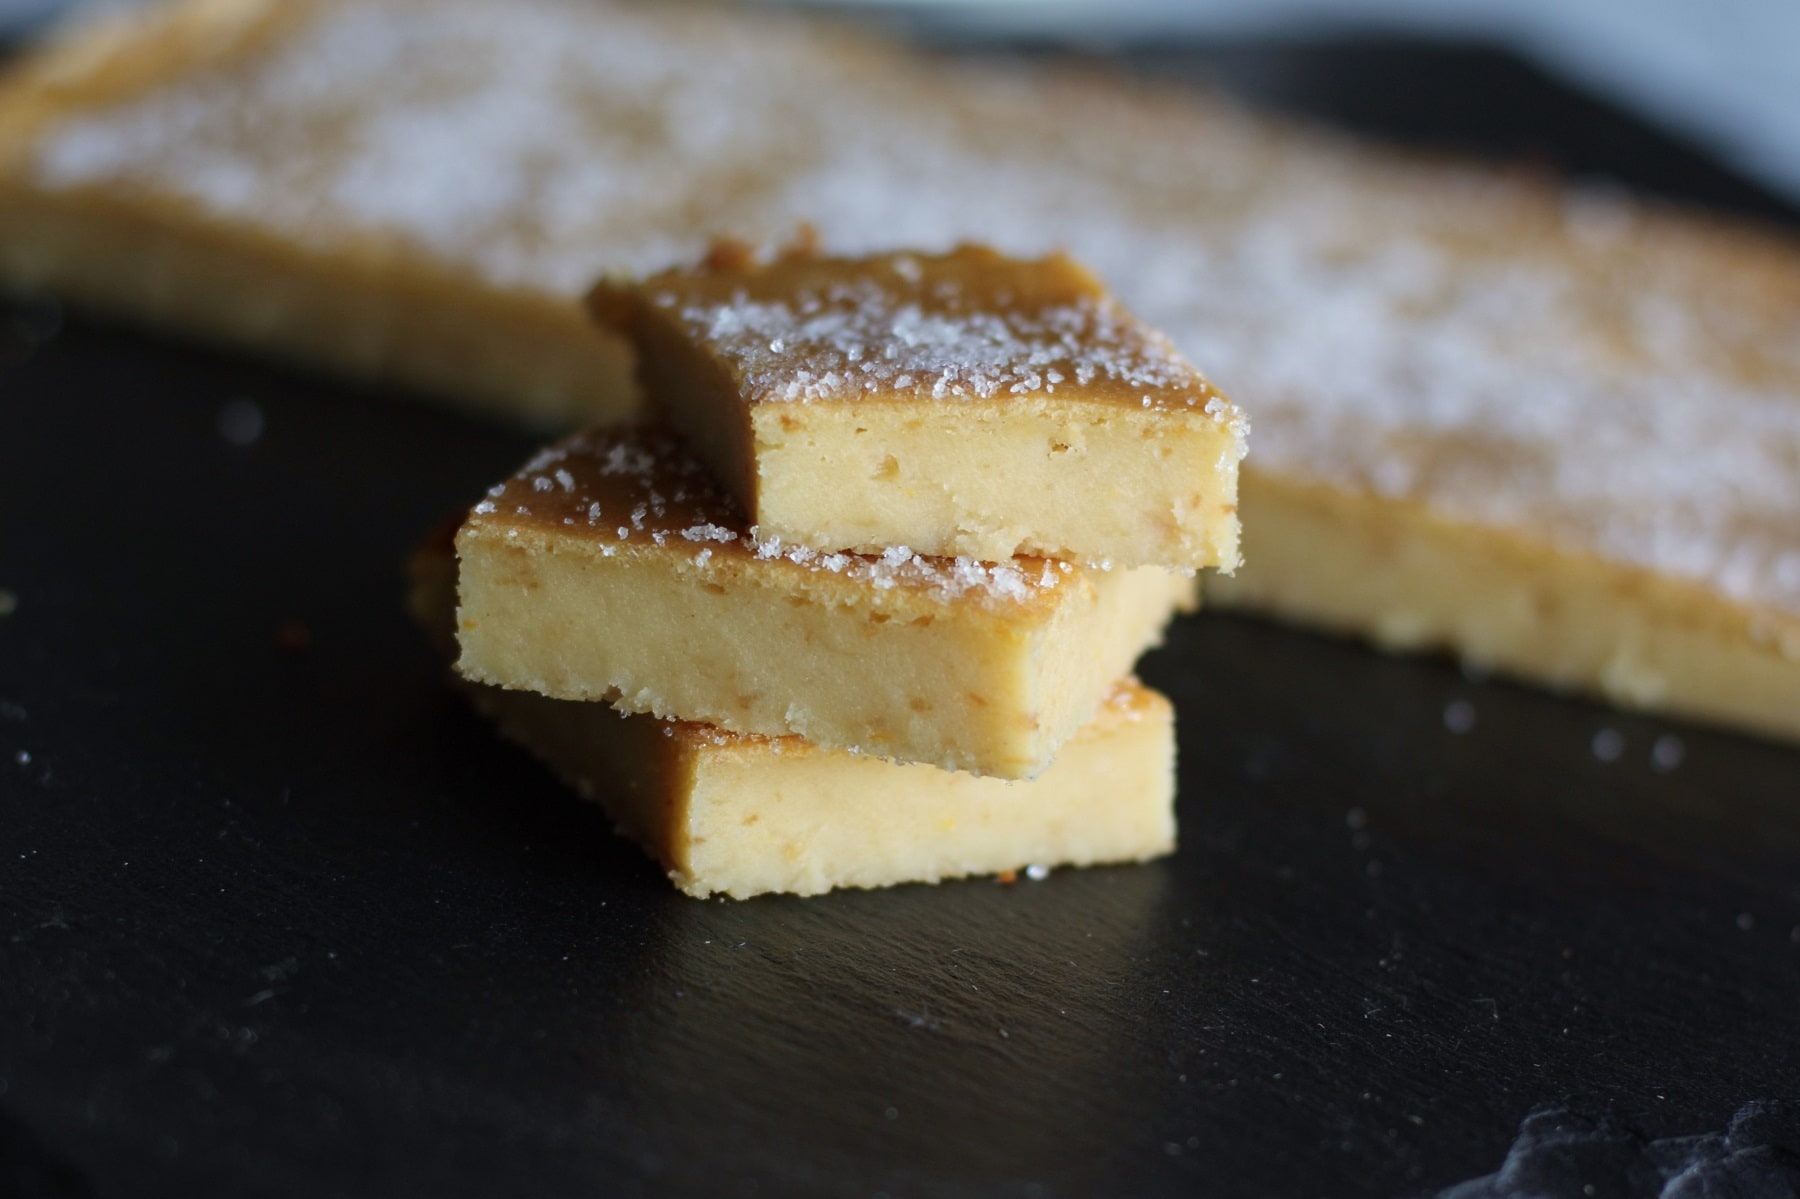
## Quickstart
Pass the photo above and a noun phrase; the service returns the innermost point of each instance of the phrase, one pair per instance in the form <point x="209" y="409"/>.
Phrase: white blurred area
<point x="1725" y="73"/>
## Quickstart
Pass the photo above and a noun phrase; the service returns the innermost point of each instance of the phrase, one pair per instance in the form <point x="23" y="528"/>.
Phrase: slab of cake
<point x="1553" y="431"/>
<point x="751" y="630"/>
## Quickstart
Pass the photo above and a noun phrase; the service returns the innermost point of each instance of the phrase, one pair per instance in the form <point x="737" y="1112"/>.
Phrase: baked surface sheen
<point x="1592" y="379"/>
<point x="965" y="403"/>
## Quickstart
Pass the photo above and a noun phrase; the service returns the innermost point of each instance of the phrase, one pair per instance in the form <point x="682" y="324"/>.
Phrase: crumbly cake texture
<point x="419" y="190"/>
<point x="740" y="815"/>
<point x="610" y="568"/>
<point x="962" y="404"/>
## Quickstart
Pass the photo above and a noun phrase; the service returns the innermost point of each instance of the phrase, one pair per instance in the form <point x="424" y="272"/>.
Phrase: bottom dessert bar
<point x="741" y="815"/>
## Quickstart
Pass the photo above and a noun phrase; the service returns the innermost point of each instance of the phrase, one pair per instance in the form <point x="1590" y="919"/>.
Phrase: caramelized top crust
<point x="972" y="323"/>
<point x="616" y="492"/>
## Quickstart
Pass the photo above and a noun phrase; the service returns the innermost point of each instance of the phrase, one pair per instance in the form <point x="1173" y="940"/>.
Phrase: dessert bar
<point x="740" y="814"/>
<point x="958" y="404"/>
<point x="610" y="568"/>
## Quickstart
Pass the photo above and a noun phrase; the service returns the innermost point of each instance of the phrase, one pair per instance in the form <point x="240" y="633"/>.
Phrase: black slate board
<point x="287" y="920"/>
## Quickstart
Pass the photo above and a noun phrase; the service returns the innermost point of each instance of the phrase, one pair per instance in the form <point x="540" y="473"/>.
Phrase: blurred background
<point x="1723" y="75"/>
<point x="1697" y="99"/>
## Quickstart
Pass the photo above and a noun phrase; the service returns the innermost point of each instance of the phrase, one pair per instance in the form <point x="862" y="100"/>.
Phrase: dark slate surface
<point x="277" y="916"/>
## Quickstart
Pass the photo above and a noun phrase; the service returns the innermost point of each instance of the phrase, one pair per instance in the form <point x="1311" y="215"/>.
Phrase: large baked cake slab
<point x="1522" y="418"/>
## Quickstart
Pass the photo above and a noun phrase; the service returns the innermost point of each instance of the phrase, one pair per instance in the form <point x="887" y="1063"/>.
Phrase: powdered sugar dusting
<point x="860" y="335"/>
<point x="1432" y="335"/>
<point x="669" y="503"/>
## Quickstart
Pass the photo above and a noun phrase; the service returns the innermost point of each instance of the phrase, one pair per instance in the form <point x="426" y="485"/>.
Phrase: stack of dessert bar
<point x="869" y="588"/>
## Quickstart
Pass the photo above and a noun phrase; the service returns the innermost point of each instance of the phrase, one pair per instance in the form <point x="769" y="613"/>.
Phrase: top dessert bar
<point x="958" y="404"/>
<point x="1552" y="429"/>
